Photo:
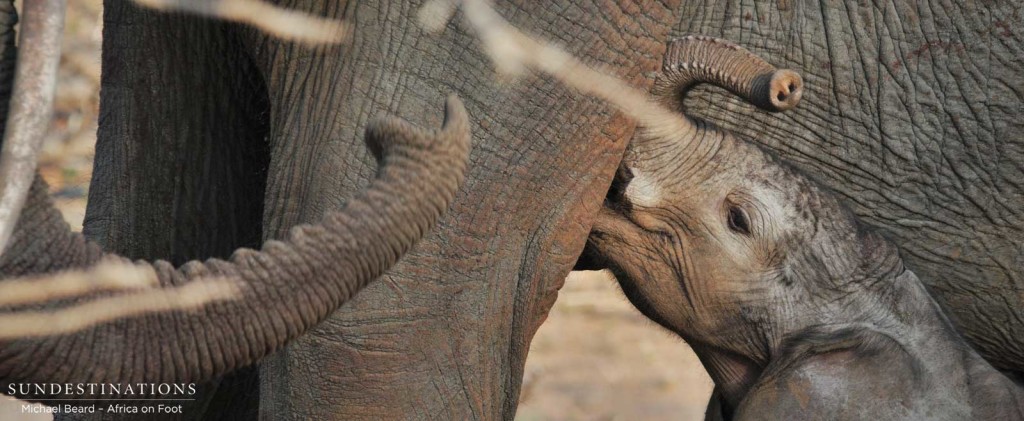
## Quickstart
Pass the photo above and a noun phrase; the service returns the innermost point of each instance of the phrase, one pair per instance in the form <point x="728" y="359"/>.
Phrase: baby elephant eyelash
<point x="738" y="221"/>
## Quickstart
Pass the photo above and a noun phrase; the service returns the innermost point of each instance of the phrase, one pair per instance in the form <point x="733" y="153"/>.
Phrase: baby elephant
<point x="796" y="309"/>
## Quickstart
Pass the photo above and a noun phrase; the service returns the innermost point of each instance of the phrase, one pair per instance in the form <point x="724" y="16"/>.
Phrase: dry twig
<point x="31" y="102"/>
<point x="35" y="80"/>
<point x="106" y="276"/>
<point x="513" y="51"/>
<point x="80" y="316"/>
<point x="280" y="22"/>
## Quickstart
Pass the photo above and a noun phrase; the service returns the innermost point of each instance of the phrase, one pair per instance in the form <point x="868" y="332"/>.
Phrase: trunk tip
<point x="785" y="89"/>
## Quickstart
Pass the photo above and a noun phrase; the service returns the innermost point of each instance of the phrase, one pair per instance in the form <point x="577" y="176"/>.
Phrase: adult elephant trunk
<point x="288" y="286"/>
<point x="690" y="61"/>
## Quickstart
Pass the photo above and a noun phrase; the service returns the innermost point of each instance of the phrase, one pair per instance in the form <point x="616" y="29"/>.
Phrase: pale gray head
<point x="720" y="242"/>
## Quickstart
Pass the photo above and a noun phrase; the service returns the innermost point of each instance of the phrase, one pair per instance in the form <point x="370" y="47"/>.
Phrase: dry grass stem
<point x="283" y="23"/>
<point x="80" y="316"/>
<point x="106" y="276"/>
<point x="512" y="52"/>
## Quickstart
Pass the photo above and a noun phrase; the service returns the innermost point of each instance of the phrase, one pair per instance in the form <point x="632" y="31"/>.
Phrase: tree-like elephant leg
<point x="181" y="155"/>
<point x="445" y="334"/>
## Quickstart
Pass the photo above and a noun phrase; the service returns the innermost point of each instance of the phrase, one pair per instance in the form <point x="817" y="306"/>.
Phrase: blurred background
<point x="595" y="358"/>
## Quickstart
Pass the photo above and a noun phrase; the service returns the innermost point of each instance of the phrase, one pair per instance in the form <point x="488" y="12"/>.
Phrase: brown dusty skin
<point x="644" y="373"/>
<point x="896" y="165"/>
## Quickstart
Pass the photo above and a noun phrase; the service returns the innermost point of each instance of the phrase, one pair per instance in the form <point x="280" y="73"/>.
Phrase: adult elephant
<point x="194" y="108"/>
<point x="215" y="135"/>
<point x="283" y="288"/>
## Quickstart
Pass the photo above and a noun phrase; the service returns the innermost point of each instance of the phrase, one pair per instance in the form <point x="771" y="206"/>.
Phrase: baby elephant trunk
<point x="692" y="60"/>
<point x="698" y="59"/>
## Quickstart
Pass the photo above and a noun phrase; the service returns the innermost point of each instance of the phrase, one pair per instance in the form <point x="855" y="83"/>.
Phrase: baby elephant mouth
<point x="616" y="198"/>
<point x="617" y="219"/>
<point x="606" y="233"/>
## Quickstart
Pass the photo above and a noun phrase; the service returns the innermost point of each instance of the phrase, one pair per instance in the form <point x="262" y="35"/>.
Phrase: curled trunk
<point x="695" y="59"/>
<point x="917" y="127"/>
<point x="692" y="60"/>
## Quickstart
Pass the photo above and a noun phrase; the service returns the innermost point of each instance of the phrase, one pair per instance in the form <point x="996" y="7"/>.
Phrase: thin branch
<point x="512" y="52"/>
<point x="43" y="323"/>
<point x="35" y="80"/>
<point x="277" y="21"/>
<point x="106" y="276"/>
<point x="434" y="15"/>
<point x="31" y="106"/>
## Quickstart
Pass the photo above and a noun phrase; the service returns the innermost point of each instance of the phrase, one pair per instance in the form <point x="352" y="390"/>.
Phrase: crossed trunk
<point x="288" y="286"/>
<point x="474" y="312"/>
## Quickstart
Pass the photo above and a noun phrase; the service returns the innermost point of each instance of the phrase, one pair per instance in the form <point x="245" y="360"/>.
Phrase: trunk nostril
<point x="785" y="92"/>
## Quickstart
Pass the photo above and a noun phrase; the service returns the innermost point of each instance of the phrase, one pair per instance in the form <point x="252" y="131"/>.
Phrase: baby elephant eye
<point x="737" y="220"/>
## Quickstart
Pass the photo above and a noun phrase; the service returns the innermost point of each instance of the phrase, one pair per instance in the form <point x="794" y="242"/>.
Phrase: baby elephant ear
<point x="699" y="59"/>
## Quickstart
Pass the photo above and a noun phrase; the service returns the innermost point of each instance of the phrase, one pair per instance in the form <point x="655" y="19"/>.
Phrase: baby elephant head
<point x="720" y="242"/>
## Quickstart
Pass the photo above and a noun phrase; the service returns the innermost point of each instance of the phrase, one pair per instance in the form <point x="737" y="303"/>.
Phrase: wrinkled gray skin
<point x="255" y="134"/>
<point x="796" y="309"/>
<point x="215" y="136"/>
<point x="911" y="115"/>
<point x="288" y="286"/>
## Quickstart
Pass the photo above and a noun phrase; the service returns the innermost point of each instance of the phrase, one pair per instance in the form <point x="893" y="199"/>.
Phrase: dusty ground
<point x="66" y="159"/>
<point x="596" y="358"/>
